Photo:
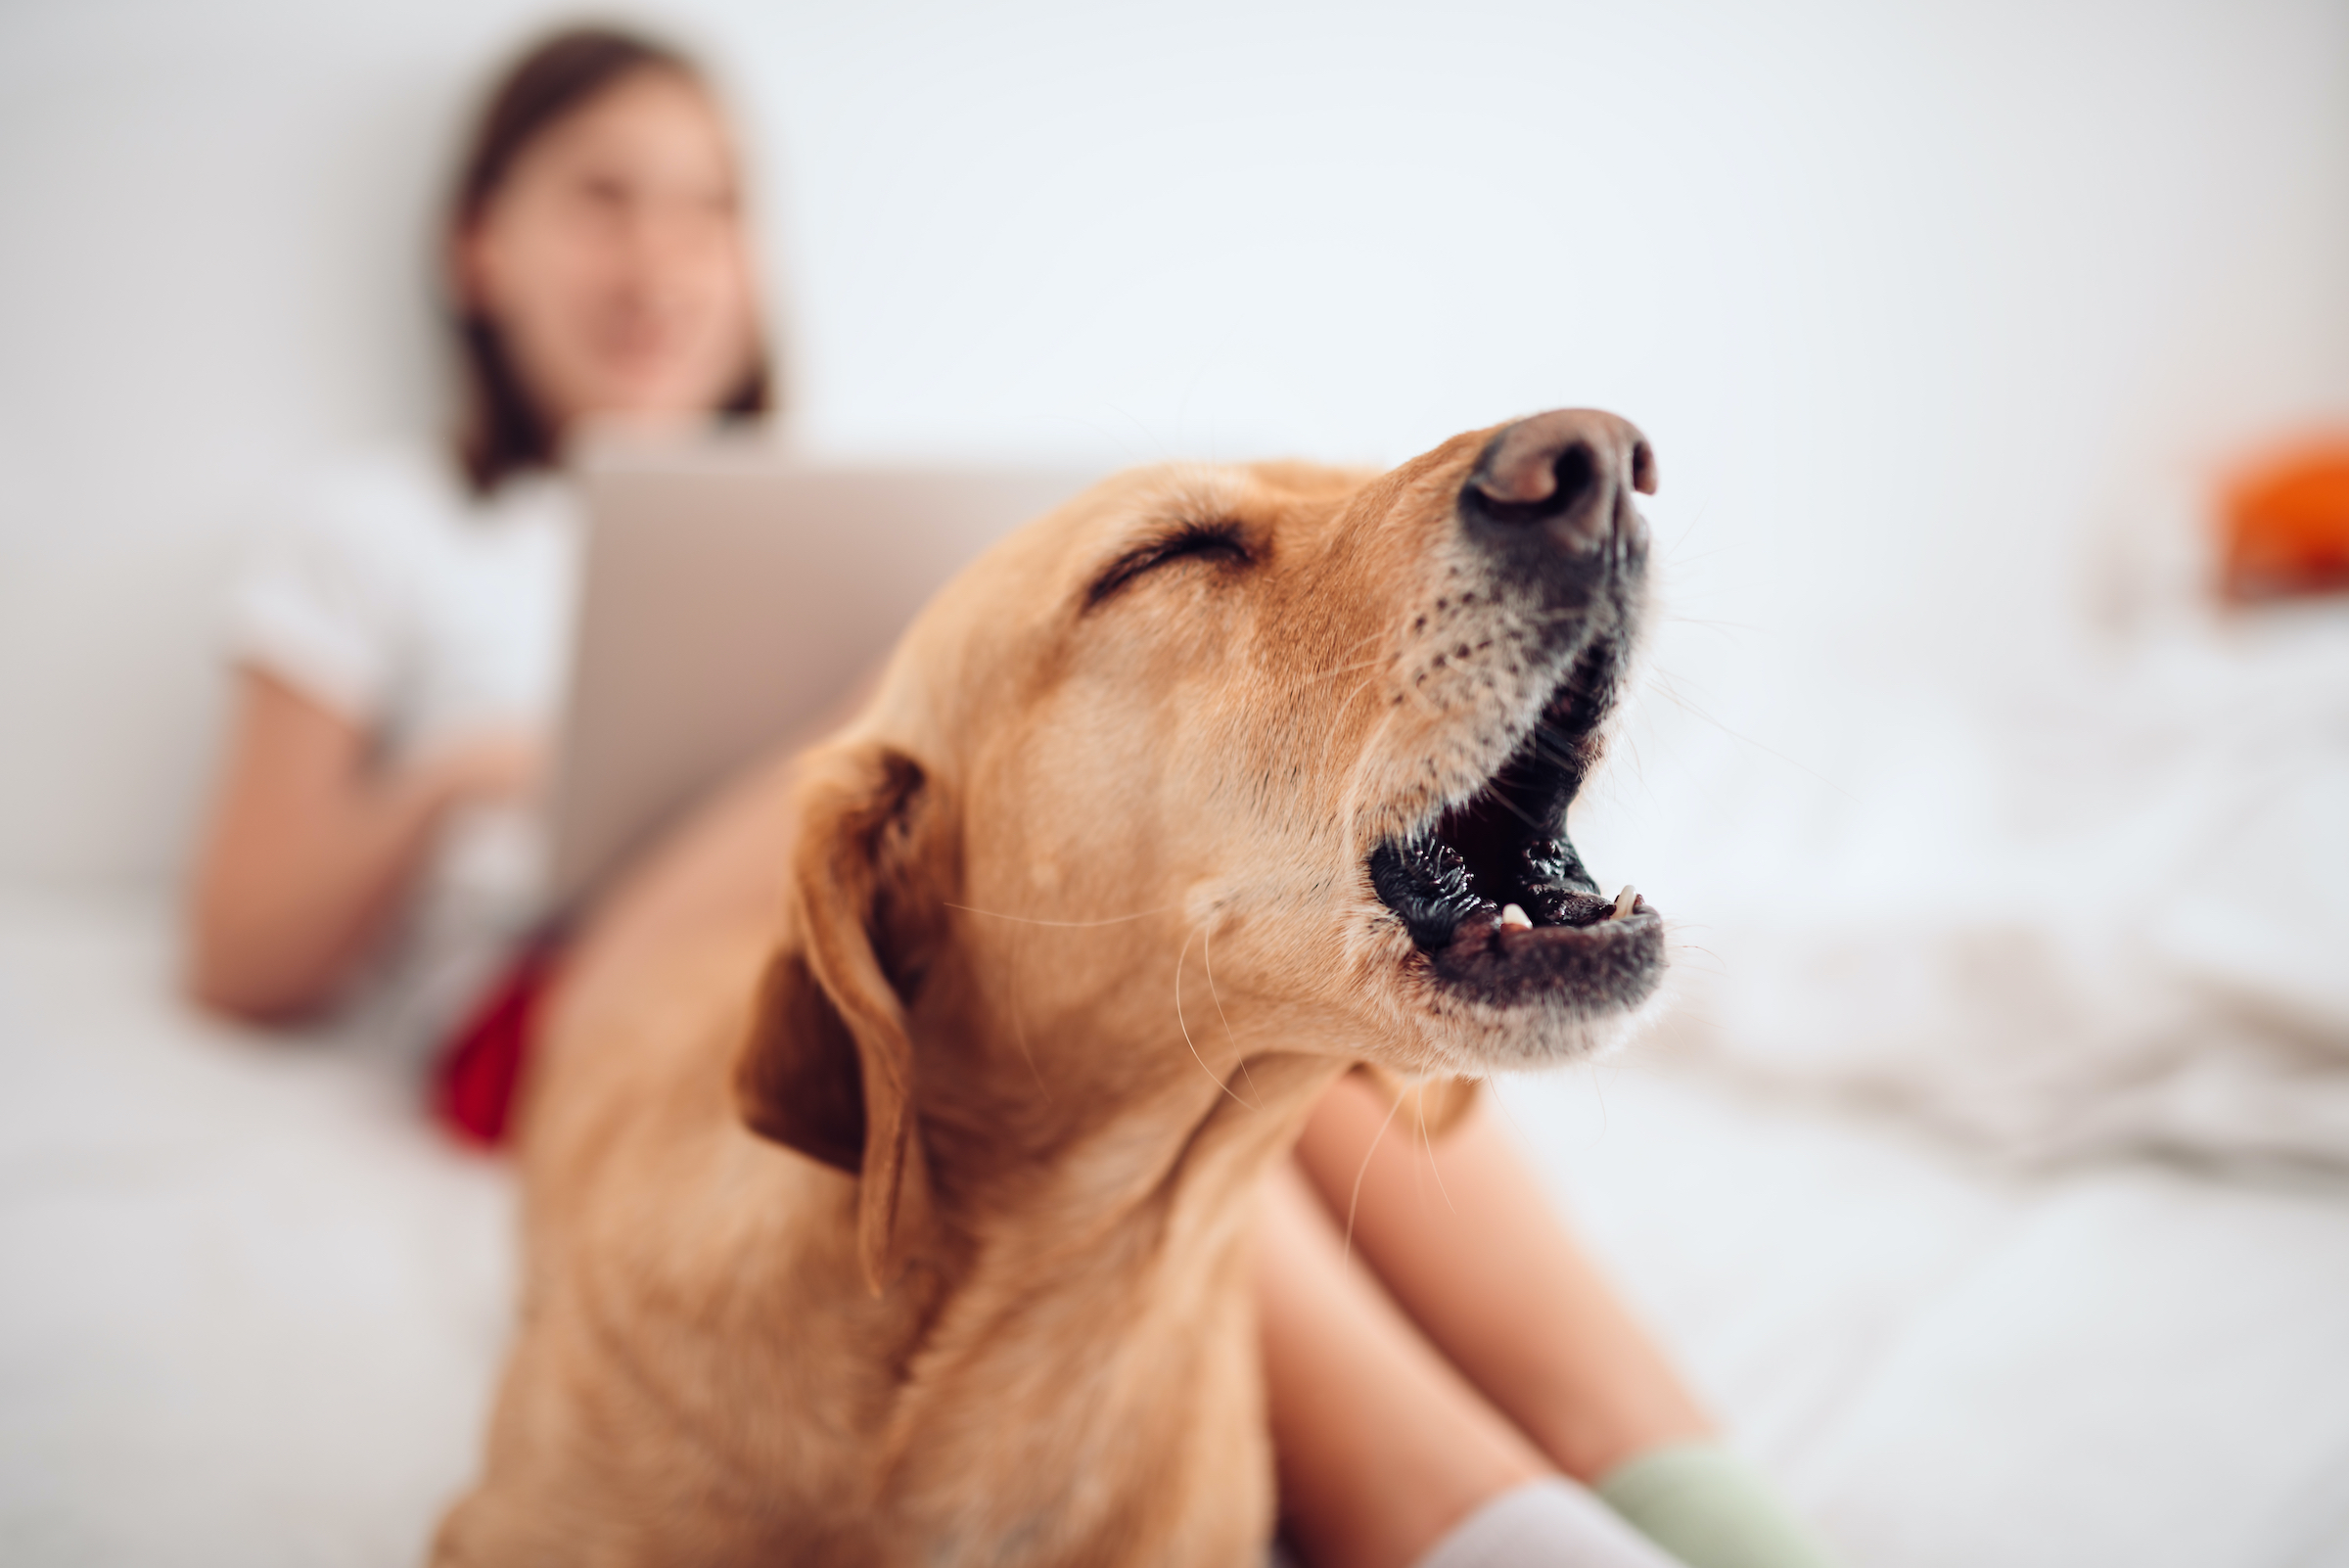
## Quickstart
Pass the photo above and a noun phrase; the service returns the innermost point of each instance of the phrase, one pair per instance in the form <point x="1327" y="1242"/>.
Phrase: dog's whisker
<point x="1435" y="1168"/>
<point x="1714" y="624"/>
<point x="1545" y="743"/>
<point x="1538" y="824"/>
<point x="1360" y="664"/>
<point x="1420" y="1135"/>
<point x="1693" y="710"/>
<point x="1332" y="733"/>
<point x="1336" y="671"/>
<point x="1354" y="1200"/>
<point x="1361" y="688"/>
<point x="1369" y="639"/>
<point x="1180" y="1024"/>
<point x="1019" y="1023"/>
<point x="1206" y="959"/>
<point x="1066" y="925"/>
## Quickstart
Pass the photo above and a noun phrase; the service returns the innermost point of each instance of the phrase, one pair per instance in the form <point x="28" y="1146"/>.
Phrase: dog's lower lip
<point x="1605" y="966"/>
<point x="1486" y="929"/>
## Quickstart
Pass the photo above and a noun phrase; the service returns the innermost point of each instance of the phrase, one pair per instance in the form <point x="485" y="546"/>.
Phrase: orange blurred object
<point x="2287" y="524"/>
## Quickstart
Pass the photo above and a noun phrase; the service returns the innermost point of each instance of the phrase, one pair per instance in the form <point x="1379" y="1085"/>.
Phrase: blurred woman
<point x="399" y="654"/>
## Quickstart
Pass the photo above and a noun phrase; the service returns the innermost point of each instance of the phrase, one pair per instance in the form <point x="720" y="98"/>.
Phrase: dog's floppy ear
<point x="828" y="1067"/>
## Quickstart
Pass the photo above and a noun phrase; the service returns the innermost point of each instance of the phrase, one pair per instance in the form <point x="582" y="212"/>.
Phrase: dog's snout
<point x="1565" y="478"/>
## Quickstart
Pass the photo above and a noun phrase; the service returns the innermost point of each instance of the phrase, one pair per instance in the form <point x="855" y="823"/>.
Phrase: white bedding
<point x="252" y="1304"/>
<point x="2108" y="911"/>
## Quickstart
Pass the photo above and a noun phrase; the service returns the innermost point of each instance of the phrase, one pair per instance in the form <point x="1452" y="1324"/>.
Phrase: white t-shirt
<point x="424" y="614"/>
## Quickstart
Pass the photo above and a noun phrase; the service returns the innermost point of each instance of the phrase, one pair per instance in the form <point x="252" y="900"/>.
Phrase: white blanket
<point x="252" y="1302"/>
<point x="2110" y="912"/>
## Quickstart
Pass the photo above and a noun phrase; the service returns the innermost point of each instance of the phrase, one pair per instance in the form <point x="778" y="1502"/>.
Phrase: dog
<point x="910" y="1228"/>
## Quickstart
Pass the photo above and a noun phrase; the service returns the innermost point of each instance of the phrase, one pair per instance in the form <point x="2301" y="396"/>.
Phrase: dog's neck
<point x="1092" y="1200"/>
<point x="1060" y="1141"/>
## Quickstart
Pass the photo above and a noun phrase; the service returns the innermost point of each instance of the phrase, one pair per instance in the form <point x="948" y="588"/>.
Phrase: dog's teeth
<point x="1513" y="918"/>
<point x="1625" y="903"/>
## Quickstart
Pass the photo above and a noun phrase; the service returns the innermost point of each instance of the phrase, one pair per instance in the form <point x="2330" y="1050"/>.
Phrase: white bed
<point x="253" y="1305"/>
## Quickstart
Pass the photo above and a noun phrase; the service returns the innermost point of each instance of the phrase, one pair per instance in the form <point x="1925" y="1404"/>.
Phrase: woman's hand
<point x="485" y="768"/>
<point x="312" y="849"/>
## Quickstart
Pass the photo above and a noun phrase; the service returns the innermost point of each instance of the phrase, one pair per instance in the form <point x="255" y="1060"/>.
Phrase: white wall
<point x="1912" y="298"/>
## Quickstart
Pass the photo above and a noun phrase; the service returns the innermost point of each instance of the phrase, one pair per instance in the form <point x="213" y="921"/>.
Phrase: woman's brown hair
<point x="503" y="430"/>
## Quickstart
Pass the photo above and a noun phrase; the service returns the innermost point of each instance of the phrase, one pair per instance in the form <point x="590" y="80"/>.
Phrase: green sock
<point x="1711" y="1509"/>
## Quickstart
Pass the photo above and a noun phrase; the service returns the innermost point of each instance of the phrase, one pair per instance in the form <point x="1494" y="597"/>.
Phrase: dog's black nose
<point x="1570" y="475"/>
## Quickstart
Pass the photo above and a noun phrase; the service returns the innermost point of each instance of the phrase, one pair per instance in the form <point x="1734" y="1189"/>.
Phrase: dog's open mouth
<point x="1500" y="902"/>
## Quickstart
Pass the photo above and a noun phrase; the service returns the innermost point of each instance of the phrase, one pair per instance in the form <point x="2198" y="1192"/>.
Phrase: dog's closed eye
<point x="1216" y="542"/>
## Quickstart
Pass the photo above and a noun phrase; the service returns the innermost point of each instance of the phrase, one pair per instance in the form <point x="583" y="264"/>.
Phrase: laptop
<point x="730" y="596"/>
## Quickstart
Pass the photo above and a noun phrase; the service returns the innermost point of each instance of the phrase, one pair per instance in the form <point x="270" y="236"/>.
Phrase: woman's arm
<point x="310" y="849"/>
<point x="1463" y="1236"/>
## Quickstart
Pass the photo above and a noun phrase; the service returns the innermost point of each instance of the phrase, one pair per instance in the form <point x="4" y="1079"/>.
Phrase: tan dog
<point x="914" y="1234"/>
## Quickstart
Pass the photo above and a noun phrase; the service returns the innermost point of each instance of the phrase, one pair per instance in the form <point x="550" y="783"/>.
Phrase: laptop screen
<point x="730" y="597"/>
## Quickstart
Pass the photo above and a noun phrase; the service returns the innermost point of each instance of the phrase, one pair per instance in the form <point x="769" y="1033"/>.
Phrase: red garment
<point x="480" y="1065"/>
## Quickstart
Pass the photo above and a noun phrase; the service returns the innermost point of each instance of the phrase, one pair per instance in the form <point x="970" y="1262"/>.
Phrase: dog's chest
<point x="1068" y="1426"/>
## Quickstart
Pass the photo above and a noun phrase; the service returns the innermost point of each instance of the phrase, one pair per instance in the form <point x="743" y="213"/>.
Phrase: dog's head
<point x="1222" y="762"/>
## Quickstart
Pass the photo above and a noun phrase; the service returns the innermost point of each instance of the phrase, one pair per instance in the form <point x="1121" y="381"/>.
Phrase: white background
<point x="1918" y="301"/>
